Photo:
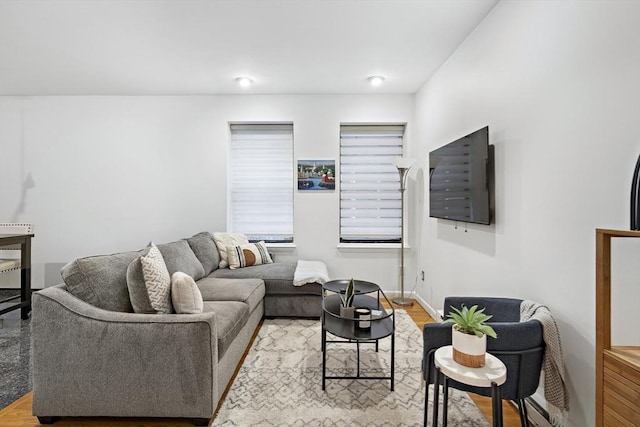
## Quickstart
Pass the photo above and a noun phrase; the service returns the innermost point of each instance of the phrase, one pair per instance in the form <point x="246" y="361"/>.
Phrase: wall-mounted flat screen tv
<point x="459" y="179"/>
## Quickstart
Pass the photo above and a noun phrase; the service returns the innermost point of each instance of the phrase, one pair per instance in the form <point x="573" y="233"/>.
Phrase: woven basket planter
<point x="468" y="350"/>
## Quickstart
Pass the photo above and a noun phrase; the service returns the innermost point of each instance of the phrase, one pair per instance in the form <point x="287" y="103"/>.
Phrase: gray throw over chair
<point x="520" y="346"/>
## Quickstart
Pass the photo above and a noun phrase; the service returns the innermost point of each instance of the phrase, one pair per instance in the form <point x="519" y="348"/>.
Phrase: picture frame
<point x="316" y="174"/>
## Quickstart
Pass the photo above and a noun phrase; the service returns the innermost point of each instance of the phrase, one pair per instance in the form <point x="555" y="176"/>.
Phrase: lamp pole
<point x="403" y="166"/>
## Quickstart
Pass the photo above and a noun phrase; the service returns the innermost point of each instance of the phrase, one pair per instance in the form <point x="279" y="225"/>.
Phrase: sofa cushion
<point x="231" y="316"/>
<point x="278" y="278"/>
<point x="185" y="295"/>
<point x="205" y="250"/>
<point x="178" y="256"/>
<point x="101" y="280"/>
<point x="224" y="240"/>
<point x="249" y="291"/>
<point x="247" y="255"/>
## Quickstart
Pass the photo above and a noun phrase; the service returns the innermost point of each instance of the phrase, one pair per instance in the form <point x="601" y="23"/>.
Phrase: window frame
<point x="283" y="239"/>
<point x="382" y="131"/>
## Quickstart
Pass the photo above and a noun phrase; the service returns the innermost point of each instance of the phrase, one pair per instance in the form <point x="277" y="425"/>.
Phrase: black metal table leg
<point x="436" y="397"/>
<point x="25" y="279"/>
<point x="445" y="400"/>
<point x="522" y="408"/>
<point x="393" y="360"/>
<point x="358" y="358"/>
<point x="324" y="357"/>
<point x="496" y="404"/>
<point x="426" y="403"/>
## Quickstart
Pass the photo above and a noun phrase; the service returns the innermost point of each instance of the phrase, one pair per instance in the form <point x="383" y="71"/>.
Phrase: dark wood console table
<point x="24" y="240"/>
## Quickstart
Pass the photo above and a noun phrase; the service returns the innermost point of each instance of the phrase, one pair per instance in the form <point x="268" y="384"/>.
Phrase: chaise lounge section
<point x="94" y="356"/>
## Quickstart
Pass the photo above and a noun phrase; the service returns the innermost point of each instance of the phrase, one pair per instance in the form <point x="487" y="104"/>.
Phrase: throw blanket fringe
<point x="310" y="272"/>
<point x="555" y="386"/>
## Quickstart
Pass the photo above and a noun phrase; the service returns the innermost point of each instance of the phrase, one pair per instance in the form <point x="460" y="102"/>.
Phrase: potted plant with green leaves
<point x="469" y="335"/>
<point x="346" y="308"/>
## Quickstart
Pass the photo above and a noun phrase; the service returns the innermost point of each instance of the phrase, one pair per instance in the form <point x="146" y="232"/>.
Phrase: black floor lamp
<point x="403" y="164"/>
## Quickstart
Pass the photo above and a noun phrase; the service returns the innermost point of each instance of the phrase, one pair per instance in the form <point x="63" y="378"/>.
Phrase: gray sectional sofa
<point x="93" y="356"/>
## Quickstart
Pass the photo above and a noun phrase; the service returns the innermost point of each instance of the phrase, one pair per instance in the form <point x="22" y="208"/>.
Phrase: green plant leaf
<point x="470" y="321"/>
<point x="349" y="292"/>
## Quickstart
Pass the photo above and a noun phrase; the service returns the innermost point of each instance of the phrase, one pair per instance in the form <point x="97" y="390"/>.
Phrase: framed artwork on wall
<point x="316" y="175"/>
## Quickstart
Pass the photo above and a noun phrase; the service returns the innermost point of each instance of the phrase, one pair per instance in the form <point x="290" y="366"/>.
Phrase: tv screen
<point x="459" y="179"/>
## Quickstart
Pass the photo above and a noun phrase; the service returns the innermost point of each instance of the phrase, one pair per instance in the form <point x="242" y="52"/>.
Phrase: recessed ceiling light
<point x="376" y="80"/>
<point x="244" y="81"/>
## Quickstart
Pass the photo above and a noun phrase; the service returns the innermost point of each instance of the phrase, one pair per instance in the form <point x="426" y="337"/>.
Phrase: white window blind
<point x="261" y="178"/>
<point x="369" y="183"/>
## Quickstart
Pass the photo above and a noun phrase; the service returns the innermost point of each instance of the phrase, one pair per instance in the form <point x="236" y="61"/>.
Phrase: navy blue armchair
<point x="520" y="346"/>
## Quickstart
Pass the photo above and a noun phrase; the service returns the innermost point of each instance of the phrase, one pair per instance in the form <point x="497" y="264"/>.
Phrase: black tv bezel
<point x="488" y="170"/>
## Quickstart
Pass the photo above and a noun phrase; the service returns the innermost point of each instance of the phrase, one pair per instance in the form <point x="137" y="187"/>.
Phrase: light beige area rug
<point x="280" y="382"/>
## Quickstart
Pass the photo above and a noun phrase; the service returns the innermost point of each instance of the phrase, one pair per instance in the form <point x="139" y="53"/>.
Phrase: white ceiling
<point x="176" y="47"/>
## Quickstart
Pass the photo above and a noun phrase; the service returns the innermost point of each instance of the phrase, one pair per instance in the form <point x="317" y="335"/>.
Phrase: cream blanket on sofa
<point x="310" y="272"/>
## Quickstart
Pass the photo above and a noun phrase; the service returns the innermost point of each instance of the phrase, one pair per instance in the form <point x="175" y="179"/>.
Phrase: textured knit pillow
<point x="185" y="295"/>
<point x="247" y="255"/>
<point x="224" y="240"/>
<point x="136" y="286"/>
<point x="157" y="280"/>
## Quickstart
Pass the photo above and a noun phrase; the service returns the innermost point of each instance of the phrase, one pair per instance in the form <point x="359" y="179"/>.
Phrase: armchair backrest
<point x="502" y="309"/>
<point x="520" y="345"/>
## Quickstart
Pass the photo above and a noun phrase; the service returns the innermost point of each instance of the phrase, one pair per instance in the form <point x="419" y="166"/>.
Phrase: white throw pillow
<point x="157" y="280"/>
<point x="224" y="240"/>
<point x="185" y="294"/>
<point x="247" y="255"/>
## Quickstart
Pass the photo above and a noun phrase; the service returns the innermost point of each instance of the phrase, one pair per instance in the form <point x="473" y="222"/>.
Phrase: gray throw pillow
<point x="205" y="249"/>
<point x="178" y="256"/>
<point x="185" y="295"/>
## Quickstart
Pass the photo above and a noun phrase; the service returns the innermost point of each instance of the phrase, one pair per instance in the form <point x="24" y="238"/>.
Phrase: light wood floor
<point x="18" y="414"/>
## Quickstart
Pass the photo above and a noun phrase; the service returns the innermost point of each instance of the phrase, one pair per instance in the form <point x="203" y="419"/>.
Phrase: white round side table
<point x="493" y="374"/>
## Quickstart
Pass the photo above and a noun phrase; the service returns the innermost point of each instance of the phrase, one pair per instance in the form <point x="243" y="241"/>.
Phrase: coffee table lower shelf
<point x="326" y="377"/>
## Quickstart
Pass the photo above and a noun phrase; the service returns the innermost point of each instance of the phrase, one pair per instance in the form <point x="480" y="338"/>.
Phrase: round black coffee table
<point x="382" y="325"/>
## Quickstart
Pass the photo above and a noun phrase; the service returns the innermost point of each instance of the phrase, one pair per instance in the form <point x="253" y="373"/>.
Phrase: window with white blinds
<point x="261" y="179"/>
<point x="370" y="208"/>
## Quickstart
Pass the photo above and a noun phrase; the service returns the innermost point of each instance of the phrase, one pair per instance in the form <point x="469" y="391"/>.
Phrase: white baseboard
<point x="430" y="310"/>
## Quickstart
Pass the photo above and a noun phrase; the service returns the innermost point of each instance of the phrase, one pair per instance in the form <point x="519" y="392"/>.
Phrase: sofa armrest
<point x="93" y="362"/>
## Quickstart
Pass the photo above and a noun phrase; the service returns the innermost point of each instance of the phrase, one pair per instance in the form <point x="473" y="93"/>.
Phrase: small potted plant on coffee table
<point x="346" y="308"/>
<point x="469" y="335"/>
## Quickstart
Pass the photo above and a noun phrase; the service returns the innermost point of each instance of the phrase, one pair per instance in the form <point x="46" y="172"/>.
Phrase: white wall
<point x="557" y="84"/>
<point x="112" y="173"/>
